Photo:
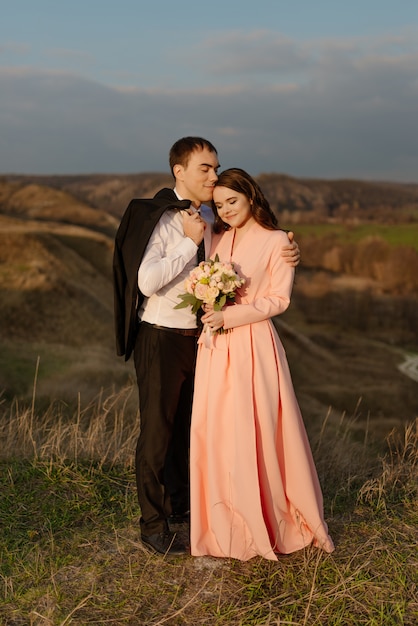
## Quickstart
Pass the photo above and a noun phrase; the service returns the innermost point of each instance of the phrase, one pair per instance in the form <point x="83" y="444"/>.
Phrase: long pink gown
<point x="254" y="486"/>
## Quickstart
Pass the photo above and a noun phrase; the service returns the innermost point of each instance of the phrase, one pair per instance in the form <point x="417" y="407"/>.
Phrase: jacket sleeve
<point x="120" y="284"/>
<point x="276" y="300"/>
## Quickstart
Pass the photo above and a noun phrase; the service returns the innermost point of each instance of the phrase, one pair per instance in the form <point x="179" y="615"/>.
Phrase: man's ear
<point x="178" y="171"/>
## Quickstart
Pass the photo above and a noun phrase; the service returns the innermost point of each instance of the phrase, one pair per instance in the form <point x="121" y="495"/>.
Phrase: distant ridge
<point x="318" y="197"/>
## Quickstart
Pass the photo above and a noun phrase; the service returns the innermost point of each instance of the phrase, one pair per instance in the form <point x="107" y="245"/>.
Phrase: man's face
<point x="196" y="181"/>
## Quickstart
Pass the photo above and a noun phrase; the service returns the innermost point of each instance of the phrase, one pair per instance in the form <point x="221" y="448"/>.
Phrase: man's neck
<point x="180" y="196"/>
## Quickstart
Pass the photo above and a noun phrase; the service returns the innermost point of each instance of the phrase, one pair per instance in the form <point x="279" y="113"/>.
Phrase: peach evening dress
<point x="254" y="486"/>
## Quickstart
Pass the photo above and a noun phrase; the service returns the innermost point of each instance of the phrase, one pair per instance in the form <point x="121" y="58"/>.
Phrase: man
<point x="155" y="248"/>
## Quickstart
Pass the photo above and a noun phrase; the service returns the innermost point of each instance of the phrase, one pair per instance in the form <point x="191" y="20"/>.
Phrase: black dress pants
<point x="165" y="364"/>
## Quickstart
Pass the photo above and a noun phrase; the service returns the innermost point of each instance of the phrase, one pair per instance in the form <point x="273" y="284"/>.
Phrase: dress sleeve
<point x="160" y="264"/>
<point x="279" y="277"/>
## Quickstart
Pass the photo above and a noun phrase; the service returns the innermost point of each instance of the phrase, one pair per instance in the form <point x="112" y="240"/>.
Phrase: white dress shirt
<point x="166" y="263"/>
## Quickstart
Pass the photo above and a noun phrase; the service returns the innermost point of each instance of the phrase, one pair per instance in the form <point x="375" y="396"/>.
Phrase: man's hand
<point x="193" y="226"/>
<point x="291" y="252"/>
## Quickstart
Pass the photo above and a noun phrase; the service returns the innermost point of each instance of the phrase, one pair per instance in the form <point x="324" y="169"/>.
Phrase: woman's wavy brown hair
<point x="240" y="181"/>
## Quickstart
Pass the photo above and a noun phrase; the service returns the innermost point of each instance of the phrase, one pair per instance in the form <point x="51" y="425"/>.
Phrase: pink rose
<point x="201" y="291"/>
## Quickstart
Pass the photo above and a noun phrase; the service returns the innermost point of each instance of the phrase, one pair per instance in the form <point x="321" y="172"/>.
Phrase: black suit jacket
<point x="134" y="232"/>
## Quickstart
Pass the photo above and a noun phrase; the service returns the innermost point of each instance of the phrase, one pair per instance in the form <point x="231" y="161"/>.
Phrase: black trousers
<point x="165" y="364"/>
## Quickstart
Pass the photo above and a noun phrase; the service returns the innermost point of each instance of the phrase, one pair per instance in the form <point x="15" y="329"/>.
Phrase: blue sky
<point x="307" y="88"/>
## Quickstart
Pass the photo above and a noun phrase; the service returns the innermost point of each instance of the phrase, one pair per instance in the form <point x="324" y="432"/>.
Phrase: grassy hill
<point x="106" y="192"/>
<point x="56" y="293"/>
<point x="70" y="551"/>
<point x="69" y="547"/>
<point x="56" y="245"/>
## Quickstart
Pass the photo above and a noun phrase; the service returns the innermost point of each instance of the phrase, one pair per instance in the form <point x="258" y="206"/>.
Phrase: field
<point x="70" y="549"/>
<point x="399" y="235"/>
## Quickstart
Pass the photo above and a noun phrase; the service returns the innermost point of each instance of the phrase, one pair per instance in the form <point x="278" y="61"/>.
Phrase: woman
<point x="254" y="486"/>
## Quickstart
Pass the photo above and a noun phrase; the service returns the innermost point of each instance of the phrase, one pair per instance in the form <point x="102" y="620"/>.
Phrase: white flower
<point x="211" y="282"/>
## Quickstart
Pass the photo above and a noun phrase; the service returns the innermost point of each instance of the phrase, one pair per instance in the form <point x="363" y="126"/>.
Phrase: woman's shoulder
<point x="220" y="239"/>
<point x="276" y="236"/>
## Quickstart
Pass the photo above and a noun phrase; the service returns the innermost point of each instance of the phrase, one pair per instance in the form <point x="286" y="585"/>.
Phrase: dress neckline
<point x="235" y="244"/>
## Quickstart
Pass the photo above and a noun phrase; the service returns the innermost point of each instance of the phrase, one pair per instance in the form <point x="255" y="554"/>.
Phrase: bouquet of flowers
<point x="211" y="282"/>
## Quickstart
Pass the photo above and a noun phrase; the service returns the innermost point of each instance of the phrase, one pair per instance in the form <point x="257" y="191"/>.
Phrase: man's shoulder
<point x="163" y="200"/>
<point x="165" y="195"/>
<point x="139" y="209"/>
<point x="140" y="217"/>
<point x="142" y="204"/>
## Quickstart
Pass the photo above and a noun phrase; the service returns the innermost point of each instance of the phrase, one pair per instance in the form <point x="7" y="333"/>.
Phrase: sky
<point x="308" y="88"/>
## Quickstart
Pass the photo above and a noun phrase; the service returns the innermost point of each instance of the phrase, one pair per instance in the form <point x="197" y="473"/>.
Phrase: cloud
<point x="14" y="48"/>
<point x="327" y="109"/>
<point x="270" y="54"/>
<point x="254" y="52"/>
<point x="69" y="54"/>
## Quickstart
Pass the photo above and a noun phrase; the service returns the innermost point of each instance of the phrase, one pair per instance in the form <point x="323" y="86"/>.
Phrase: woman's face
<point x="233" y="207"/>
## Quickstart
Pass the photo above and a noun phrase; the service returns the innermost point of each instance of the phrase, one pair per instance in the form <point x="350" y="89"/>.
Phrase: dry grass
<point x="103" y="431"/>
<point x="69" y="540"/>
<point x="70" y="543"/>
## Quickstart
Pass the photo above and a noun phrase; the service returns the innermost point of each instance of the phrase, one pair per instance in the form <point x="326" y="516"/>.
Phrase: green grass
<point x="395" y="235"/>
<point x="18" y="363"/>
<point x="59" y="370"/>
<point x="70" y="549"/>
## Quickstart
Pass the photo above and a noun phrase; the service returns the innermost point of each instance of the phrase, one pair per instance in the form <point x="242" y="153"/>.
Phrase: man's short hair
<point x="180" y="151"/>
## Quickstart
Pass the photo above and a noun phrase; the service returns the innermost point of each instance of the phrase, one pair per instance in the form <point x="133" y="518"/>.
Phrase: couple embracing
<point x="224" y="412"/>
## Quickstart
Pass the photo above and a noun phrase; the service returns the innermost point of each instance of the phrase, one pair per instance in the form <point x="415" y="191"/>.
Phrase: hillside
<point x="56" y="293"/>
<point x="29" y="199"/>
<point x="293" y="198"/>
<point x="345" y="334"/>
<point x="104" y="192"/>
<point x="340" y="199"/>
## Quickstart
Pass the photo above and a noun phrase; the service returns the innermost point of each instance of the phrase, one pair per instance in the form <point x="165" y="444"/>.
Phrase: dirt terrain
<point x="347" y="342"/>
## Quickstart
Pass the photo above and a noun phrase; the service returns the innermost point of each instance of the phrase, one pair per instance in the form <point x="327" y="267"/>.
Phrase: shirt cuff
<point x="187" y="248"/>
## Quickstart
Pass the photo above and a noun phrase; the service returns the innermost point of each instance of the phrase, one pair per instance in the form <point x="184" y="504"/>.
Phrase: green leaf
<point x="196" y="306"/>
<point x="218" y="305"/>
<point x="181" y="305"/>
<point x="188" y="299"/>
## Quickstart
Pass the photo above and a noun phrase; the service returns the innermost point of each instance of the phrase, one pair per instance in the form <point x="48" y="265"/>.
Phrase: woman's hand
<point x="214" y="319"/>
